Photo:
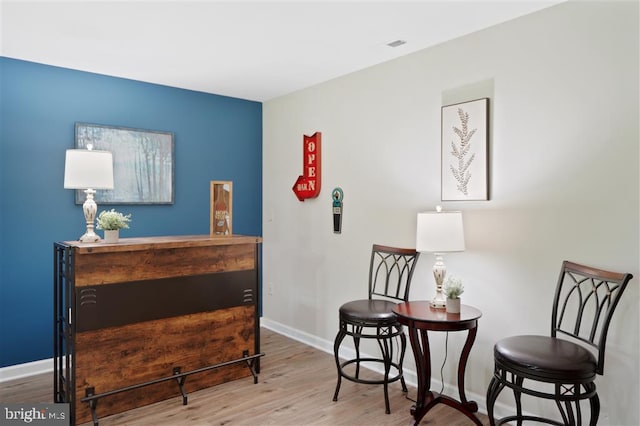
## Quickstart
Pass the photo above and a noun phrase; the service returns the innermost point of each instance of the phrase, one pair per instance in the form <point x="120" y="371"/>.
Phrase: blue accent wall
<point x="216" y="138"/>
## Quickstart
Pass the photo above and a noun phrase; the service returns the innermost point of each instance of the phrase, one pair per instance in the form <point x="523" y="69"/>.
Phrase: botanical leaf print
<point x="460" y="150"/>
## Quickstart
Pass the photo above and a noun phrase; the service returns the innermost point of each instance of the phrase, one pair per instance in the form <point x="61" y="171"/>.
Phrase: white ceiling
<point x="255" y="50"/>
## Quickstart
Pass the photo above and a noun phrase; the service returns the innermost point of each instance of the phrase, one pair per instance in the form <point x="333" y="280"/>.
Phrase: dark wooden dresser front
<point x="146" y="319"/>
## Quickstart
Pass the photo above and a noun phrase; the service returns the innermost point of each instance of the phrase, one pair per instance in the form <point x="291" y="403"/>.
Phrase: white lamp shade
<point x="84" y="169"/>
<point x="440" y="232"/>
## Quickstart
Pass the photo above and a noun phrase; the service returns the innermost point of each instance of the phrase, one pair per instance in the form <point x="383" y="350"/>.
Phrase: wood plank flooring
<point x="295" y="387"/>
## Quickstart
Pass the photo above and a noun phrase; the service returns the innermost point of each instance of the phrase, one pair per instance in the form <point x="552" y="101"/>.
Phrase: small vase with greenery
<point x="110" y="221"/>
<point x="453" y="288"/>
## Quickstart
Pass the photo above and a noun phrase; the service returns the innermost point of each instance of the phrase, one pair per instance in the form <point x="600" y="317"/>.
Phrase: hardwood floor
<point x="295" y="387"/>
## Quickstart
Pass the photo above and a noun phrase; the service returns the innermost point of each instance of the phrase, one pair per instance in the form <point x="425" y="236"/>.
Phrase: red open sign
<point x="308" y="184"/>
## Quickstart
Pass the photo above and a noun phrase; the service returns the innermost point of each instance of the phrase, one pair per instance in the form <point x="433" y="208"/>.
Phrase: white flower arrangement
<point x="453" y="287"/>
<point x="110" y="220"/>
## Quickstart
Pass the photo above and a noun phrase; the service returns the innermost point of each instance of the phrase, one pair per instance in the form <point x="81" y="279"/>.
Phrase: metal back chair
<point x="584" y="302"/>
<point x="390" y="273"/>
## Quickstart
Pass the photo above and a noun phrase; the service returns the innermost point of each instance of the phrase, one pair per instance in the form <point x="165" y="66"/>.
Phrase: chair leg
<point x="386" y="357"/>
<point x="385" y="338"/>
<point x="568" y="418"/>
<point x="336" y="348"/>
<point x="518" y="397"/>
<point x="495" y="387"/>
<point x="566" y="409"/>
<point x="356" y="344"/>
<point x="594" y="403"/>
<point x="578" y="414"/>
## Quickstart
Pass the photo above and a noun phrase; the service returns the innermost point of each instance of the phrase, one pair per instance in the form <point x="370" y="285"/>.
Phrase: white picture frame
<point x="465" y="151"/>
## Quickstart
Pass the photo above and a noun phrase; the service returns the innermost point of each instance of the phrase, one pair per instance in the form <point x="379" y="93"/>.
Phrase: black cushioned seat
<point x="561" y="369"/>
<point x="551" y="359"/>
<point x="374" y="311"/>
<point x="390" y="272"/>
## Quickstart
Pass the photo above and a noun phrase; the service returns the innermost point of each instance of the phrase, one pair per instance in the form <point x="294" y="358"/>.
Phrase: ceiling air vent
<point x="396" y="43"/>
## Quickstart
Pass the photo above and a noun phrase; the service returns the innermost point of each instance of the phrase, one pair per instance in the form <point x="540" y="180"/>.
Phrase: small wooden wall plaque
<point x="221" y="208"/>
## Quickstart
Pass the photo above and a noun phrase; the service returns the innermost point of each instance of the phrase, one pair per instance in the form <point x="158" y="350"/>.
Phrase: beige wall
<point x="564" y="159"/>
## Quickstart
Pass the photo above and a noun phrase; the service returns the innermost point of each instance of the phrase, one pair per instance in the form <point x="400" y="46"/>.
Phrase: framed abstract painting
<point x="142" y="163"/>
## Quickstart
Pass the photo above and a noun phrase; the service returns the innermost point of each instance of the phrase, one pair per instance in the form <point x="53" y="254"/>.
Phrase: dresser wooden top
<point x="173" y="241"/>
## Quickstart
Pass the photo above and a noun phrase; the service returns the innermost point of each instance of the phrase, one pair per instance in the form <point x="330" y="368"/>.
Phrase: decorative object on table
<point x="111" y="222"/>
<point x="88" y="169"/>
<point x="453" y="288"/>
<point x="465" y="157"/>
<point x="308" y="183"/>
<point x="337" y="195"/>
<point x="221" y="212"/>
<point x="143" y="163"/>
<point x="439" y="232"/>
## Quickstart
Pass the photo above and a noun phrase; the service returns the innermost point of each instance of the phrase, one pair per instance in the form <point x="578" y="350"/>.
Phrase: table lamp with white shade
<point x="88" y="169"/>
<point x="439" y="232"/>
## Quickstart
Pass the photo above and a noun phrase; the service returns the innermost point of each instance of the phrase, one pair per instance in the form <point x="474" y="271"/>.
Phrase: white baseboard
<point x="27" y="369"/>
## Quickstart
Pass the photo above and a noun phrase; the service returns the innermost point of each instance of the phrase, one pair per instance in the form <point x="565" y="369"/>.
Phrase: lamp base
<point x="439" y="301"/>
<point x="89" y="208"/>
<point x="89" y="237"/>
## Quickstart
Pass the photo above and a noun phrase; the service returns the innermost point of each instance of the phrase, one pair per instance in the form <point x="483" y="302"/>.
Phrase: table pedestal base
<point x="434" y="398"/>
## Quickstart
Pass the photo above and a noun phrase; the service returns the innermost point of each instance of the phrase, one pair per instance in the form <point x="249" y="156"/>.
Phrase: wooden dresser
<point x="146" y="319"/>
